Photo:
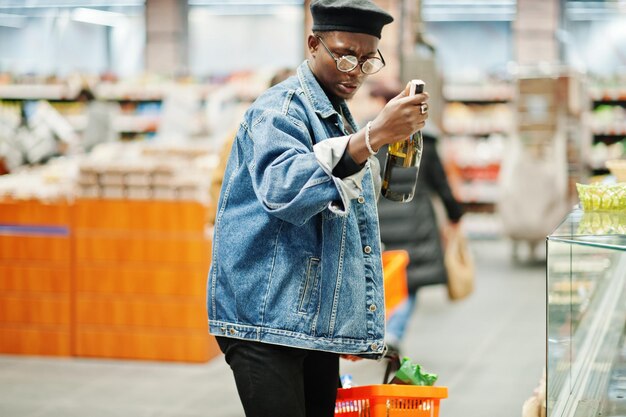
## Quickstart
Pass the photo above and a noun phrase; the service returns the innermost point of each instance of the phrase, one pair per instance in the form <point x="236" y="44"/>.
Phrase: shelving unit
<point x="608" y="127"/>
<point x="35" y="278"/>
<point x="140" y="105"/>
<point x="476" y="119"/>
<point x="53" y="91"/>
<point x="141" y="271"/>
<point x="105" y="278"/>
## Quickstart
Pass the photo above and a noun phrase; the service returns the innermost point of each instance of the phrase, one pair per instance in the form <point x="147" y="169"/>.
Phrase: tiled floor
<point x="489" y="350"/>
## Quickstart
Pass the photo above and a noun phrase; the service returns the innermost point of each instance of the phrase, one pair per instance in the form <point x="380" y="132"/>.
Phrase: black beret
<point x="359" y="16"/>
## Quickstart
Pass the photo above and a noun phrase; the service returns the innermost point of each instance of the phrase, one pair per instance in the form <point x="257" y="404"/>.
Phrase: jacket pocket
<point x="309" y="285"/>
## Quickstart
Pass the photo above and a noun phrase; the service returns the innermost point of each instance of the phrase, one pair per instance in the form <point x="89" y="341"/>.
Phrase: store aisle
<point x="488" y="349"/>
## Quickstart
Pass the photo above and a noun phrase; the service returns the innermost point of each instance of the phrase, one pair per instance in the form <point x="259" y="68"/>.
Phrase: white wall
<point x="128" y="41"/>
<point x="56" y="44"/>
<point x="468" y="51"/>
<point x="222" y="43"/>
<point x="598" y="46"/>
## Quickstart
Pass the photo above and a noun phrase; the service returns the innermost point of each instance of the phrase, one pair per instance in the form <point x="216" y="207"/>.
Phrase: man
<point x="296" y="275"/>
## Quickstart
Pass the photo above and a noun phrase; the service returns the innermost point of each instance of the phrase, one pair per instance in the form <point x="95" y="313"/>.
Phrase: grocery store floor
<point x="488" y="349"/>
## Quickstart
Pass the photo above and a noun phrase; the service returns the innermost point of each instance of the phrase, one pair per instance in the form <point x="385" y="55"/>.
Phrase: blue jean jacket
<point x="296" y="252"/>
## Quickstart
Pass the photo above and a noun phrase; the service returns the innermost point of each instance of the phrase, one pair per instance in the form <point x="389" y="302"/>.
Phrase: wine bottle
<point x="403" y="161"/>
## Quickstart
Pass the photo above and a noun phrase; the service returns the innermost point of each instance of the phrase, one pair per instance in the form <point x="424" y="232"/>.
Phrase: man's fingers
<point x="415" y="100"/>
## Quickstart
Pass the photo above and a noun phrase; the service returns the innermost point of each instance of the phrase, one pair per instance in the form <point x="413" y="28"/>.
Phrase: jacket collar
<point x="314" y="92"/>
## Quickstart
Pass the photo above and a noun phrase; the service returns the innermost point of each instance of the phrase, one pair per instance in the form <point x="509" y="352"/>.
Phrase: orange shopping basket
<point x="394" y="278"/>
<point x="389" y="400"/>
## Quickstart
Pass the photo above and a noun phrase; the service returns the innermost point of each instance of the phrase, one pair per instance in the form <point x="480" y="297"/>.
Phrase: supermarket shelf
<point x="136" y="123"/>
<point x="608" y="139"/>
<point x="477" y="120"/>
<point x="478" y="101"/>
<point x="608" y="94"/>
<point x="478" y="131"/>
<point x="126" y="284"/>
<point x="122" y="123"/>
<point x="483" y="175"/>
<point x="38" y="92"/>
<point x="123" y="100"/>
<point x="610" y="131"/>
<point x="141" y="103"/>
<point x="482" y="225"/>
<point x="600" y="171"/>
<point x="147" y="92"/>
<point x="611" y="102"/>
<point x="477" y="194"/>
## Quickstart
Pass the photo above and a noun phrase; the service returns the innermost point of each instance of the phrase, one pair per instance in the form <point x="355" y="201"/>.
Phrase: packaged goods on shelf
<point x="608" y="89"/>
<point x="54" y="91"/>
<point x="467" y="151"/>
<point x="45" y="115"/>
<point x="10" y="114"/>
<point x="37" y="143"/>
<point x="147" y="171"/>
<point x="569" y="286"/>
<point x="617" y="167"/>
<point x="482" y="225"/>
<point x="147" y="106"/>
<point x="11" y="153"/>
<point x="35" y="139"/>
<point x="144" y="88"/>
<point x="117" y="171"/>
<point x="588" y="266"/>
<point x="54" y="181"/>
<point x="473" y="166"/>
<point x="608" y="120"/>
<point x="482" y="119"/>
<point x="602" y="152"/>
<point x="477" y="120"/>
<point x="97" y="219"/>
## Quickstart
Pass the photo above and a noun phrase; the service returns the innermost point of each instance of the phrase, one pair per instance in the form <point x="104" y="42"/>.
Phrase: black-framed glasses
<point x="347" y="63"/>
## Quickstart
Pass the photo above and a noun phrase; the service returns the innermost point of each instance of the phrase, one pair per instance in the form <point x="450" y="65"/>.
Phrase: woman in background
<point x="412" y="226"/>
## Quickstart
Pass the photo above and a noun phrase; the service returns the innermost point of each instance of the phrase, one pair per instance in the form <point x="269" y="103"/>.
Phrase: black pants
<point x="279" y="381"/>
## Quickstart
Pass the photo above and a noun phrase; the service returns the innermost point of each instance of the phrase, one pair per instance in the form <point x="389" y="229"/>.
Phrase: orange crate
<point x="389" y="401"/>
<point x="394" y="278"/>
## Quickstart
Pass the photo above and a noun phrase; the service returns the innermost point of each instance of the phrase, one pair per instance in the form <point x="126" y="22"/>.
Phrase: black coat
<point x="413" y="226"/>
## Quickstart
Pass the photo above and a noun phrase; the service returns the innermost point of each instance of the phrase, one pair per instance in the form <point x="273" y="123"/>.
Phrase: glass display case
<point x="586" y="305"/>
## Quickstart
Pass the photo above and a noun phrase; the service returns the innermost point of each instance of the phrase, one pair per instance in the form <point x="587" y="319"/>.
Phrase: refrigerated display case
<point x="586" y="306"/>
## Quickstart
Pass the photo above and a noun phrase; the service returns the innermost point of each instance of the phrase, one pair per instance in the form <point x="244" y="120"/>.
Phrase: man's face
<point x="341" y="84"/>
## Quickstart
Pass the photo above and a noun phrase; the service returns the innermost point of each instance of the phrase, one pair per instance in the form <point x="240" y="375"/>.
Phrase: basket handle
<point x="393" y="364"/>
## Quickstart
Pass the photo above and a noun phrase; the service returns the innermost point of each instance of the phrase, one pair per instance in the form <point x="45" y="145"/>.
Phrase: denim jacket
<point x="296" y="252"/>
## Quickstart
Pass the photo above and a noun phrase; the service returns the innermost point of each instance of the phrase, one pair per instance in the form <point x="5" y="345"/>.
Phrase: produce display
<point x="602" y="197"/>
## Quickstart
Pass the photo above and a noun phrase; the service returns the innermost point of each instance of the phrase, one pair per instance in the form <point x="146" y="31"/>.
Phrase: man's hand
<point x="399" y="119"/>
